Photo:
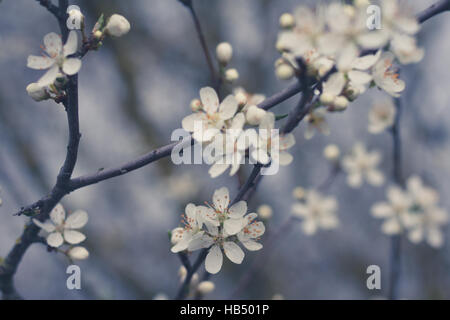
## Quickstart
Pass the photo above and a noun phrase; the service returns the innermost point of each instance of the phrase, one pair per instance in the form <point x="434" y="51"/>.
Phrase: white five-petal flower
<point x="61" y="229"/>
<point x="56" y="58"/>
<point x="317" y="212"/>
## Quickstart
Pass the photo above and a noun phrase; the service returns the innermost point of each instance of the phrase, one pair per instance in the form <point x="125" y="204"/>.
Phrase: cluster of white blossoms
<point x="336" y="44"/>
<point x="62" y="60"/>
<point x="220" y="127"/>
<point x="219" y="228"/>
<point x="315" y="210"/>
<point x="64" y="230"/>
<point x="414" y="211"/>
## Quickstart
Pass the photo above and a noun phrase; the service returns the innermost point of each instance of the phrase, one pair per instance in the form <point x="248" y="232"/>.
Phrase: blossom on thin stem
<point x="316" y="212"/>
<point x="56" y="58"/>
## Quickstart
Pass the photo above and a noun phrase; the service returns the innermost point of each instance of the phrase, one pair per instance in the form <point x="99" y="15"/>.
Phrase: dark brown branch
<point x="435" y="9"/>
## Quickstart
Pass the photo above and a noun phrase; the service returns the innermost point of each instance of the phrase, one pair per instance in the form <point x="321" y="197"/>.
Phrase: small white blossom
<point x="316" y="121"/>
<point x="117" y="25"/>
<point x="381" y="116"/>
<point x="251" y="231"/>
<point x="386" y="76"/>
<point x="317" y="212"/>
<point x="208" y="122"/>
<point x="362" y="165"/>
<point x="428" y="217"/>
<point x="56" y="58"/>
<point x="395" y="211"/>
<point x="61" y="229"/>
<point x="254" y="115"/>
<point x="76" y="18"/>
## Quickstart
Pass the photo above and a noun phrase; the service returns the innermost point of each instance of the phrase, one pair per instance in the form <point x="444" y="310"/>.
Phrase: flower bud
<point x="206" y="287"/>
<point x="327" y="99"/>
<point x="231" y="75"/>
<point x="196" y="105"/>
<point x="76" y="18"/>
<point x="117" y="26"/>
<point x="299" y="193"/>
<point x="265" y="212"/>
<point x="254" y="115"/>
<point x="78" y="253"/>
<point x="284" y="71"/>
<point x="331" y="152"/>
<point x="241" y="98"/>
<point x="224" y="52"/>
<point x="98" y="34"/>
<point x="340" y="103"/>
<point x="37" y="92"/>
<point x="287" y="21"/>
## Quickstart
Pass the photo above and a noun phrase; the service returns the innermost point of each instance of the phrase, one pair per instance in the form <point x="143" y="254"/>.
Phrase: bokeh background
<point x="135" y="91"/>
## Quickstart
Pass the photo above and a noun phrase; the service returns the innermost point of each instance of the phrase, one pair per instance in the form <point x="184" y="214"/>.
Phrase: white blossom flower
<point x="223" y="227"/>
<point x="381" y="116"/>
<point x="397" y="19"/>
<point x="317" y="212"/>
<point x="386" y="77"/>
<point x="208" y="122"/>
<point x="428" y="217"/>
<point x="117" y="25"/>
<point x="254" y="115"/>
<point x="316" y="121"/>
<point x="395" y="211"/>
<point x="224" y="52"/>
<point x="193" y="222"/>
<point x="362" y="165"/>
<point x="405" y="49"/>
<point x="251" y="231"/>
<point x="61" y="229"/>
<point x="78" y="253"/>
<point x="56" y="58"/>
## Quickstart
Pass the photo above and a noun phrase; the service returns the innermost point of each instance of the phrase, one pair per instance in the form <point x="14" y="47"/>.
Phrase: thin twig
<point x="395" y="257"/>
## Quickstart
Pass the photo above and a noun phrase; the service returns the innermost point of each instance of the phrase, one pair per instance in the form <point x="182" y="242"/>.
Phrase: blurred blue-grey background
<point x="135" y="91"/>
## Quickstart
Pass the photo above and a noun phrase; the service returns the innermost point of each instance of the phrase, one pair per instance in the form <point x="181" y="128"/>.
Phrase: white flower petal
<point x="71" y="66"/>
<point x="53" y="44"/>
<point x="49" y="77"/>
<point x="209" y="99"/>
<point x="214" y="260"/>
<point x="228" y="107"/>
<point x="77" y="220"/>
<point x="71" y="45"/>
<point x="237" y="210"/>
<point x="233" y="252"/>
<point x="221" y="199"/>
<point x="233" y="226"/>
<point x="217" y="169"/>
<point x="55" y="239"/>
<point x="46" y="226"/>
<point x="39" y="63"/>
<point x="73" y="237"/>
<point x="58" y="214"/>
